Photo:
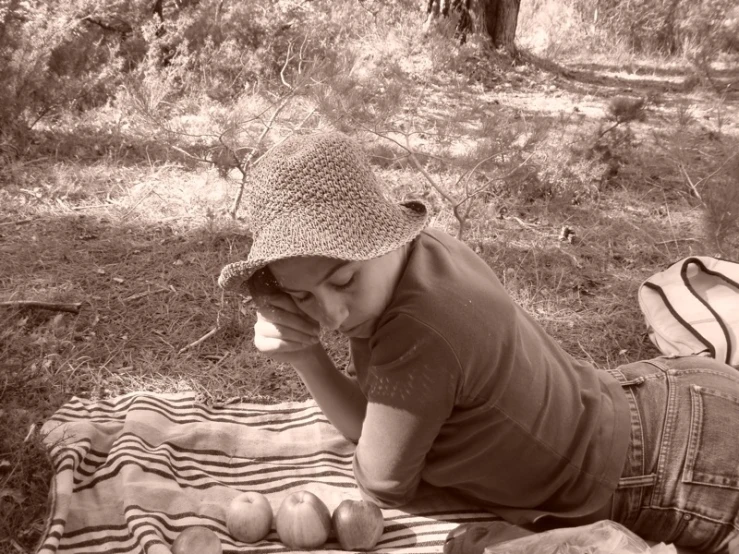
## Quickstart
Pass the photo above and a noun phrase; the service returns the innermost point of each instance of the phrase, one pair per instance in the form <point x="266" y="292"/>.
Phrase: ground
<point x="137" y="241"/>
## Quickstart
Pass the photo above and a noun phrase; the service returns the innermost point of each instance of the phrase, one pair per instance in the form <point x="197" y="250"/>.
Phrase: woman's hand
<point x="282" y="331"/>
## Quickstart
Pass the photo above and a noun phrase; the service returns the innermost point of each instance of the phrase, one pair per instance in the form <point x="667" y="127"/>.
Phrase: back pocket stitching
<point x="690" y="475"/>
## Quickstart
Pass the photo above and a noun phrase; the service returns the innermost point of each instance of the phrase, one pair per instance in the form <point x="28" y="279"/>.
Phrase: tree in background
<point x="500" y="18"/>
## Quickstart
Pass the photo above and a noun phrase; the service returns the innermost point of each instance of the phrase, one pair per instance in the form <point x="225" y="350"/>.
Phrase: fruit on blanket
<point x="359" y="524"/>
<point x="303" y="521"/>
<point x="197" y="540"/>
<point x="249" y="517"/>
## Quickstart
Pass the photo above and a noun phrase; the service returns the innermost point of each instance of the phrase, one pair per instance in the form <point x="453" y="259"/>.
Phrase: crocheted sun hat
<point x="316" y="195"/>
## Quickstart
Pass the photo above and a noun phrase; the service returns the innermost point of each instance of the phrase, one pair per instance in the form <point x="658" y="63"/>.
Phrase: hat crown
<point x="324" y="174"/>
<point x="316" y="195"/>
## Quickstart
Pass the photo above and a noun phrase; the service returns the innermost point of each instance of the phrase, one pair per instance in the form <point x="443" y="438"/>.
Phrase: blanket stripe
<point x="133" y="472"/>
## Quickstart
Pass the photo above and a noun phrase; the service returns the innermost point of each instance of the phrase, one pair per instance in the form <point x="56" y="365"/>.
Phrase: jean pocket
<point x="711" y="457"/>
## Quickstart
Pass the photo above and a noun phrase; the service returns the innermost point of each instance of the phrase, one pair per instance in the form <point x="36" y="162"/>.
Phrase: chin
<point x="361" y="331"/>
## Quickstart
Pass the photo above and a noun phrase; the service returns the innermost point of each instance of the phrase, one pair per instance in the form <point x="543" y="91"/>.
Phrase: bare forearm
<point x="338" y="396"/>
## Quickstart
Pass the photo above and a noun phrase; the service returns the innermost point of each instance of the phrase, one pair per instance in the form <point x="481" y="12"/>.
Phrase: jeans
<point x="681" y="478"/>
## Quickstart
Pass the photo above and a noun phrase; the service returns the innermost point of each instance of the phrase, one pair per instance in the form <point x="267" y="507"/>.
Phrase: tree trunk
<point x="501" y="19"/>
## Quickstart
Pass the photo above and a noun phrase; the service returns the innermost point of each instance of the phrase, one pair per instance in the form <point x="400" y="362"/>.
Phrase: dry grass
<point x="138" y="238"/>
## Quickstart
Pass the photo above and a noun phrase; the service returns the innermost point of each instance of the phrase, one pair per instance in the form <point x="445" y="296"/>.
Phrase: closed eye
<point x="300" y="297"/>
<point x="345" y="285"/>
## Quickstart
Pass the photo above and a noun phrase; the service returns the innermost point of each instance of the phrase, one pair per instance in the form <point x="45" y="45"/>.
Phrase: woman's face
<point x="340" y="295"/>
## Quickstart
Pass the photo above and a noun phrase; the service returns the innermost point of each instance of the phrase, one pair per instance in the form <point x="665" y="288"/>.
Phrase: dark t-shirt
<point x="465" y="390"/>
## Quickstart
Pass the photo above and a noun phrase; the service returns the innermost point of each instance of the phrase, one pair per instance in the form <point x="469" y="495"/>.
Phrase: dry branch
<point x="55" y="306"/>
<point x="456" y="204"/>
<point x="249" y="162"/>
<point x="202" y="339"/>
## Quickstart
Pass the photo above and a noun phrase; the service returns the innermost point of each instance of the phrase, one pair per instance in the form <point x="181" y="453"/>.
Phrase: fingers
<point x="273" y="338"/>
<point x="289" y="319"/>
<point x="282" y="301"/>
<point x="276" y="345"/>
<point x="279" y="330"/>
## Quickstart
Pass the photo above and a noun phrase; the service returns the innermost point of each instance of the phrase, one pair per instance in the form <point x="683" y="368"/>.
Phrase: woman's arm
<point x="337" y="394"/>
<point x="412" y="384"/>
<point x="287" y="335"/>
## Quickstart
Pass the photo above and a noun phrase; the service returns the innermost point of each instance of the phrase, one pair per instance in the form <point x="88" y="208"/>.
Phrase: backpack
<point x="692" y="308"/>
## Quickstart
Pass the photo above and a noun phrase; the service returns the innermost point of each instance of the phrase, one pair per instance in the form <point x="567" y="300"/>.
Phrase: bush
<point x="667" y="26"/>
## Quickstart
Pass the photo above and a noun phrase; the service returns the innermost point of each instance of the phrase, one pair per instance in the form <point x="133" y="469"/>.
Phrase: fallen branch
<point x="202" y="339"/>
<point x="58" y="307"/>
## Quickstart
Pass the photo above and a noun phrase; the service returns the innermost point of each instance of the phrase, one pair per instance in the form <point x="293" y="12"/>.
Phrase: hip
<point x="680" y="482"/>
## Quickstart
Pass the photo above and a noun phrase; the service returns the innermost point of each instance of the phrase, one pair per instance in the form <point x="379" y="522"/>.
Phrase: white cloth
<point x="132" y="472"/>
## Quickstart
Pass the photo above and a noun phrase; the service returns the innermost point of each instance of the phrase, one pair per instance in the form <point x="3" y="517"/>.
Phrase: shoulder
<point x="413" y="364"/>
<point x="449" y="288"/>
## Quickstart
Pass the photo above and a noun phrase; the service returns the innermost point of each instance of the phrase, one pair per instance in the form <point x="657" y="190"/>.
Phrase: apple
<point x="303" y="521"/>
<point x="249" y="517"/>
<point x="197" y="540"/>
<point x="359" y="524"/>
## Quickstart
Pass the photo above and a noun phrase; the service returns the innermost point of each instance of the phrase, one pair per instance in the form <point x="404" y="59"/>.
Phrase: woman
<point x="454" y="384"/>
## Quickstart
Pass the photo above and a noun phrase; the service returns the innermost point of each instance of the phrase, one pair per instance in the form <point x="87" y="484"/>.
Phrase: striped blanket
<point x="131" y="473"/>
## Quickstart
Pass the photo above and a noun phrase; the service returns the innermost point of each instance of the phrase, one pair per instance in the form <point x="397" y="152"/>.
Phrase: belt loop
<point x="659" y="364"/>
<point x="637" y="481"/>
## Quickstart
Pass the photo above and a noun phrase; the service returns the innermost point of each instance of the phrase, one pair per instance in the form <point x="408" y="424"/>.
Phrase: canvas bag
<point x="692" y="308"/>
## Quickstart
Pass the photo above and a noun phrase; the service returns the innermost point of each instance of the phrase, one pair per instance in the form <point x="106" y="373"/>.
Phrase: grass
<point x="137" y="236"/>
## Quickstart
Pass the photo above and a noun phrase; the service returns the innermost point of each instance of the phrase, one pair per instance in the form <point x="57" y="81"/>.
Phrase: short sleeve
<point x="411" y="387"/>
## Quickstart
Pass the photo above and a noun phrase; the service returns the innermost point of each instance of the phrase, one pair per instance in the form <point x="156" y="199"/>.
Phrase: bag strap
<point x="726" y="347"/>
<point x="662" y="292"/>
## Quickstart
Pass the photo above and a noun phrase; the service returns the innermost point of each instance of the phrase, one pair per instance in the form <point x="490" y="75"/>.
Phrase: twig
<point x="244" y="167"/>
<point x="713" y="173"/>
<point x="690" y="182"/>
<point x="686" y="239"/>
<point x="428" y="177"/>
<point x="138" y="201"/>
<point x="202" y="339"/>
<point x="189" y="155"/>
<point x="143" y="294"/>
<point x="522" y="223"/>
<point x="18" y="222"/>
<point x="71" y="308"/>
<point x="165" y="341"/>
<point x="18" y="547"/>
<point x="609" y="129"/>
<point x="88" y="207"/>
<point x="288" y="57"/>
<point x="484" y="187"/>
<point x="31" y="431"/>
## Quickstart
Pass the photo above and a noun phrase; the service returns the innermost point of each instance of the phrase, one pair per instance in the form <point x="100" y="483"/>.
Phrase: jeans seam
<point x="696" y="423"/>
<point x="681" y="372"/>
<point x="666" y="442"/>
<point x="642" y="462"/>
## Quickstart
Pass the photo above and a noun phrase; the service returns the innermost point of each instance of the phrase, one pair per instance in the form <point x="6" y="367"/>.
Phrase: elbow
<point x="384" y="491"/>
<point x="383" y="500"/>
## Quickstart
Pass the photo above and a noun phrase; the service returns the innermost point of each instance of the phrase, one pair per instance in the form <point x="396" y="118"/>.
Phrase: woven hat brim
<point x="284" y="239"/>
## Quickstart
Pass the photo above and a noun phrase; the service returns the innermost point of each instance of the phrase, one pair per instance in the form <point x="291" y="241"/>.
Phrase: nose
<point x="332" y="312"/>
